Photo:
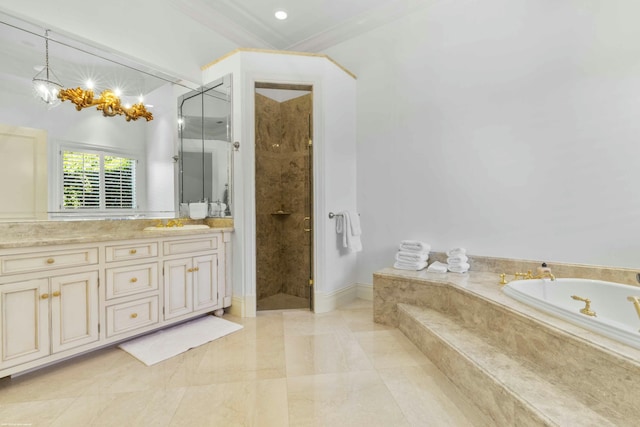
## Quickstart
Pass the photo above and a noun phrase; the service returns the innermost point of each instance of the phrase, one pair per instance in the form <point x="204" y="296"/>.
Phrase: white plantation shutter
<point x="80" y="180"/>
<point x="119" y="182"/>
<point x="97" y="181"/>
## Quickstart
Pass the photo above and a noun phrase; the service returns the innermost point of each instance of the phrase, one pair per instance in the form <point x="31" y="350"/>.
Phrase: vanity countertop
<point x="47" y="233"/>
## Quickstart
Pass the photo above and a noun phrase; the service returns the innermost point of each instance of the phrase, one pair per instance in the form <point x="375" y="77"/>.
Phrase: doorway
<point x="284" y="196"/>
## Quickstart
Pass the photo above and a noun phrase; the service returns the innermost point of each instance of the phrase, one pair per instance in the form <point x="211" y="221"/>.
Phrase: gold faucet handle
<point x="636" y="303"/>
<point x="587" y="306"/>
<point x="503" y="280"/>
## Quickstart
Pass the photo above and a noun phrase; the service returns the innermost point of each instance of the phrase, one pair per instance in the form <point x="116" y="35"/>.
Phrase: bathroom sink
<point x="183" y="228"/>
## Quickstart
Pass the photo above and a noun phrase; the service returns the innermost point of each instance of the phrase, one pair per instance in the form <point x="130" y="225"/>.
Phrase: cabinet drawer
<point x="175" y="247"/>
<point x="131" y="251"/>
<point x="132" y="315"/>
<point x="130" y="280"/>
<point x="47" y="260"/>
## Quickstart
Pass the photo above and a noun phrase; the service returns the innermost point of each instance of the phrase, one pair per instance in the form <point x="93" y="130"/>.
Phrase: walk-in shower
<point x="284" y="196"/>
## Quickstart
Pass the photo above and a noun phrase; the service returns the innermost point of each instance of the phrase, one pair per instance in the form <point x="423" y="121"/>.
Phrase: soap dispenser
<point x="543" y="270"/>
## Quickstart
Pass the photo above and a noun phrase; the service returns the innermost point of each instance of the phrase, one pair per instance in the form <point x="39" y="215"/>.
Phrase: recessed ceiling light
<point x="281" y="15"/>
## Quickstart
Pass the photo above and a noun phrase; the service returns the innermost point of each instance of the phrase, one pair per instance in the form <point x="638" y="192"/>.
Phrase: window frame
<point x="102" y="152"/>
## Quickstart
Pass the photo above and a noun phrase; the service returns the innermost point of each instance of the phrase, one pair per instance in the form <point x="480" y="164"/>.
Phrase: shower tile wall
<point x="295" y="115"/>
<point x="282" y="183"/>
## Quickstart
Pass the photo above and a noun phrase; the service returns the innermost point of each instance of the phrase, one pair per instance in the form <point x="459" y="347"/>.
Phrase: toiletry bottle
<point x="543" y="269"/>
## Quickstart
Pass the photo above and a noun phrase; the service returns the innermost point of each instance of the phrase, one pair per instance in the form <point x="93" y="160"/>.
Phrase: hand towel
<point x="458" y="259"/>
<point x="437" y="267"/>
<point x="456" y="251"/>
<point x="404" y="256"/>
<point x="354" y="221"/>
<point x="409" y="265"/>
<point x="459" y="268"/>
<point x="343" y="226"/>
<point x="415" y="246"/>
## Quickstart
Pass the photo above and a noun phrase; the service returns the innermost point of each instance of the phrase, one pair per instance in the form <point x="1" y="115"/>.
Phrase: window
<point x="97" y="181"/>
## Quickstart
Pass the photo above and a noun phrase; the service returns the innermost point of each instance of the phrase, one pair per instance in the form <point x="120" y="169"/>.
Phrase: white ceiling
<point x="313" y="25"/>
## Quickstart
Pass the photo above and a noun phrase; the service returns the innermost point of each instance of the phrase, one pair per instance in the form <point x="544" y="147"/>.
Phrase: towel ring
<point x="332" y="215"/>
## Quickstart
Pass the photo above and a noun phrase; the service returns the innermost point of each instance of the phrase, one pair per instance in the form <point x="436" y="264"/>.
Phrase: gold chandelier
<point x="108" y="102"/>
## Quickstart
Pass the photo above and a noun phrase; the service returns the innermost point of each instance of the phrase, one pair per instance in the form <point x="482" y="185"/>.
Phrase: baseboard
<point x="324" y="303"/>
<point x="329" y="302"/>
<point x="243" y="306"/>
<point x="364" y="292"/>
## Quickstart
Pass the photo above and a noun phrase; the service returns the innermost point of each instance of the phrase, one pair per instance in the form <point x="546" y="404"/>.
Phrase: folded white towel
<point x="354" y="221"/>
<point x="409" y="265"/>
<point x="404" y="256"/>
<point x="458" y="259"/>
<point x="437" y="267"/>
<point x="415" y="246"/>
<point x="459" y="268"/>
<point x="344" y="226"/>
<point x="456" y="251"/>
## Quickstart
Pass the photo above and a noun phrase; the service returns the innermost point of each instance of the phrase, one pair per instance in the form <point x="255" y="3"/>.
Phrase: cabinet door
<point x="74" y="310"/>
<point x="24" y="321"/>
<point x="178" y="287"/>
<point x="205" y="286"/>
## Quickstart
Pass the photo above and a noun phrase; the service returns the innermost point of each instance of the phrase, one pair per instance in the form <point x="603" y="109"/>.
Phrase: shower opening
<point x="284" y="196"/>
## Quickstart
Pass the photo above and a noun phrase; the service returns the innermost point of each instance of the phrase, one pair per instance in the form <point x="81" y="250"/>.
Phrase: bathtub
<point x="616" y="317"/>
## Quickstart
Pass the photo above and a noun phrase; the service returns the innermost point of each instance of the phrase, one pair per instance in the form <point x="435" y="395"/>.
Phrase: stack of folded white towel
<point x="412" y="255"/>
<point x="457" y="260"/>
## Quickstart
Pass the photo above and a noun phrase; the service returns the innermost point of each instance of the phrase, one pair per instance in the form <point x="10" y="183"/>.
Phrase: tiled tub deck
<point x="521" y="366"/>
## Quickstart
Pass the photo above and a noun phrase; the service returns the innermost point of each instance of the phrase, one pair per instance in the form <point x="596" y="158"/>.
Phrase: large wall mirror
<point x="45" y="147"/>
<point x="205" y="147"/>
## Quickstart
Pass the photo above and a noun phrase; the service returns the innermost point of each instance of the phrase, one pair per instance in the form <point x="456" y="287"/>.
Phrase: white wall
<point x="509" y="127"/>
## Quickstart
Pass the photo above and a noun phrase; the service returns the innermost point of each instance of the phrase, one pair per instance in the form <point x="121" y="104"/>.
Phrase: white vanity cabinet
<point x="57" y="301"/>
<point x="192" y="284"/>
<point x="48" y="303"/>
<point x="132" y="291"/>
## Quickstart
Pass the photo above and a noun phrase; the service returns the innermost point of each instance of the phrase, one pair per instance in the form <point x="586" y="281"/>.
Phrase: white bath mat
<point x="162" y="345"/>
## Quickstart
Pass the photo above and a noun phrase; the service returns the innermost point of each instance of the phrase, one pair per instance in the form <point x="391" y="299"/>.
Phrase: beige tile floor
<point x="284" y="368"/>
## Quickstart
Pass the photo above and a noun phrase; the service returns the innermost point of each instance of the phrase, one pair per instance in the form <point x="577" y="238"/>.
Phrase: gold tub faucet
<point x="526" y="276"/>
<point x="587" y="307"/>
<point x="544" y="272"/>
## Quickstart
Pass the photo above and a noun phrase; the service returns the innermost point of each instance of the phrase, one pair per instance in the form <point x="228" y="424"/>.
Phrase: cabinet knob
<point x="134" y="279"/>
<point x="190" y="270"/>
<point x="134" y="315"/>
<point x="56" y="294"/>
<point x="196" y="269"/>
<point x="44" y="296"/>
<point x="133" y="251"/>
<point x="51" y="261"/>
